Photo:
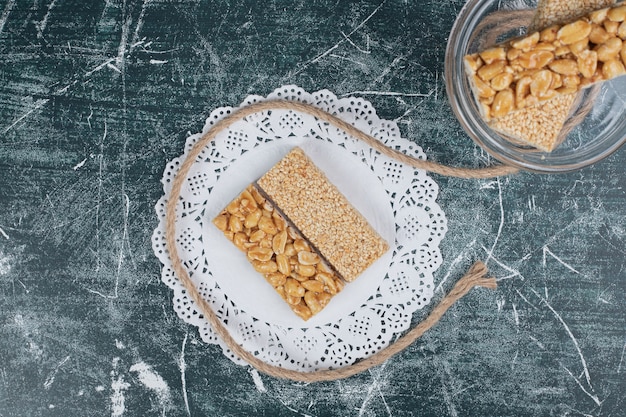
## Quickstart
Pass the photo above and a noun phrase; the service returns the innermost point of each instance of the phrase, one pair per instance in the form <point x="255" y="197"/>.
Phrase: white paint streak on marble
<point x="386" y="93"/>
<point x="388" y="69"/>
<point x="584" y="218"/>
<point x="532" y="206"/>
<point x="38" y="104"/>
<point x="448" y="379"/>
<point x="154" y="382"/>
<point x="526" y="300"/>
<point x="515" y="316"/>
<point x="582" y="387"/>
<point x="374" y="388"/>
<point x="105" y="9"/>
<point x="89" y="120"/>
<point x="158" y="61"/>
<point x="408" y="111"/>
<point x="621" y="360"/>
<point x="454" y="262"/>
<point x="114" y="68"/>
<point x="5" y="14"/>
<point x="363" y="51"/>
<point x="537" y="342"/>
<point x="547" y="251"/>
<point x="118" y="386"/>
<point x="99" y="193"/>
<point x="601" y="295"/>
<point x="123" y="244"/>
<point x="258" y="382"/>
<point x="139" y="24"/>
<point x="44" y="22"/>
<point x="99" y="67"/>
<point x="342" y="41"/>
<point x="514" y="361"/>
<point x="500" y="226"/>
<point x="382" y="397"/>
<point x="293" y="410"/>
<point x="182" y="365"/>
<point x="490" y="185"/>
<point x="50" y="379"/>
<point x="578" y="412"/>
<point x="79" y="165"/>
<point x="4" y="234"/>
<point x="345" y="58"/>
<point x="121" y="49"/>
<point x="574" y="340"/>
<point x="513" y="272"/>
<point x="100" y="294"/>
<point x="5" y="263"/>
<point x="19" y="281"/>
<point x="42" y="102"/>
<point x="449" y="403"/>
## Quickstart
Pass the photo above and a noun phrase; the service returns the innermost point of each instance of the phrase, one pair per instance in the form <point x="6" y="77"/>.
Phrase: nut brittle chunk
<point x="301" y="233"/>
<point x="547" y="66"/>
<point x="279" y="252"/>
<point x="317" y="208"/>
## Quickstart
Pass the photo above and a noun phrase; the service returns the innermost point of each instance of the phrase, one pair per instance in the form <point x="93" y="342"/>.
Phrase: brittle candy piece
<point x="279" y="252"/>
<point x="317" y="208"/>
<point x="559" y="60"/>
<point x="300" y="233"/>
<point x="541" y="125"/>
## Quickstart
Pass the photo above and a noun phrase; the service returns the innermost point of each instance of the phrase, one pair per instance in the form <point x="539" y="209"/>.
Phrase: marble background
<point x="96" y="96"/>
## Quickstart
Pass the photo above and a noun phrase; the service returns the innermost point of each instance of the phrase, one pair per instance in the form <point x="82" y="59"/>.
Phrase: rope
<point x="474" y="277"/>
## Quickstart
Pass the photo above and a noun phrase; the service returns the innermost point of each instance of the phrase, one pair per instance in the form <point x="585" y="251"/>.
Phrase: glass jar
<point x="599" y="110"/>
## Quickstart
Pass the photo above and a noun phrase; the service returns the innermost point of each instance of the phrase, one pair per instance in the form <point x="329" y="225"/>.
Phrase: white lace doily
<point x="398" y="200"/>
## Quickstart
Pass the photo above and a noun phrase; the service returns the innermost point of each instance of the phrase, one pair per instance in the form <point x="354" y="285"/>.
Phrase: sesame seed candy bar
<point x="561" y="59"/>
<point x="555" y="12"/>
<point x="323" y="215"/>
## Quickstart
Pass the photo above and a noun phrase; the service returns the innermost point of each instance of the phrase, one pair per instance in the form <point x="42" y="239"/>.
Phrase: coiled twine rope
<point x="476" y="276"/>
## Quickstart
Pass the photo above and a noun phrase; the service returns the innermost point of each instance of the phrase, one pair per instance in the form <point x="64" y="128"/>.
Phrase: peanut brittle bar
<point x="552" y="63"/>
<point x="300" y="233"/>
<point x="317" y="208"/>
<point x="541" y="125"/>
<point x="279" y="252"/>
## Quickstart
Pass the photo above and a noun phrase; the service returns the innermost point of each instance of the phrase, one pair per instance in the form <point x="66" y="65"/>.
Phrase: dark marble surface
<point x="96" y="96"/>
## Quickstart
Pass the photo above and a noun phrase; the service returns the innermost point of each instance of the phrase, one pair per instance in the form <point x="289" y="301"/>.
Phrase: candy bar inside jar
<point x="558" y="60"/>
<point x="301" y="233"/>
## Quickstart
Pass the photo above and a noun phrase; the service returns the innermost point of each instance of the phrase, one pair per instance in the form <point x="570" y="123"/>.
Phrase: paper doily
<point x="398" y="200"/>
